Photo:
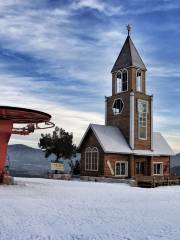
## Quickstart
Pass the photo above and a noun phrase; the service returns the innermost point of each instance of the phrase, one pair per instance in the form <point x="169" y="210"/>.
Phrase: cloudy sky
<point x="56" y="56"/>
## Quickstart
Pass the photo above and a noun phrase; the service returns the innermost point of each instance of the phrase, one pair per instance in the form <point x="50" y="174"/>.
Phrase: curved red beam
<point x="14" y="115"/>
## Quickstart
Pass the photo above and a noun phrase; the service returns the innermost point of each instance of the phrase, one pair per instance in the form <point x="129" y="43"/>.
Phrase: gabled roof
<point x="112" y="141"/>
<point x="128" y="57"/>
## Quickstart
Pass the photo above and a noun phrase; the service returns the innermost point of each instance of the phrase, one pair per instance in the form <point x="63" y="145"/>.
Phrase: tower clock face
<point x="117" y="106"/>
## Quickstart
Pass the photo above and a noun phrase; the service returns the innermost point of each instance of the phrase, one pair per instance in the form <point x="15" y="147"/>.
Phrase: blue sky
<point x="57" y="55"/>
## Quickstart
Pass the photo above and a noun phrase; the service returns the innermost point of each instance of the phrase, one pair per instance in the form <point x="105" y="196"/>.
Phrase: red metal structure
<point x="22" y="121"/>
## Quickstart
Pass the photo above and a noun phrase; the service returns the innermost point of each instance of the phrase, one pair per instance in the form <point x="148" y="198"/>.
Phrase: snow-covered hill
<point x="175" y="160"/>
<point x="41" y="209"/>
<point x="29" y="162"/>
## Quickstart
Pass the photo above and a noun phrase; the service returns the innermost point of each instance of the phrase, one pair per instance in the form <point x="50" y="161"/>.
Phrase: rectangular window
<point x="124" y="82"/>
<point x="158" y="168"/>
<point x="142" y="119"/>
<point x="121" y="168"/>
<point x="87" y="160"/>
<point x="94" y="161"/>
<point x="140" y="167"/>
<point x="138" y="82"/>
<point x="91" y="159"/>
<point x="119" y="85"/>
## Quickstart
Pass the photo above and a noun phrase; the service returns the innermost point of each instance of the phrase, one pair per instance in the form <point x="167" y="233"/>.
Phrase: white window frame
<point x="126" y="168"/>
<point x="90" y="150"/>
<point x="146" y="114"/>
<point x="95" y="149"/>
<point x="116" y="83"/>
<point x="139" y="70"/>
<point x="113" y="105"/>
<point x="121" y="71"/>
<point x="156" y="174"/>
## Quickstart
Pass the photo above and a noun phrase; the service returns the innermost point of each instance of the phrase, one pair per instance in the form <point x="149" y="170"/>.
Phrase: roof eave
<point x="114" y="70"/>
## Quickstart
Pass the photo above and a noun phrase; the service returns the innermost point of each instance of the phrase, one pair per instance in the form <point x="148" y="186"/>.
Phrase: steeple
<point x="130" y="108"/>
<point x="128" y="56"/>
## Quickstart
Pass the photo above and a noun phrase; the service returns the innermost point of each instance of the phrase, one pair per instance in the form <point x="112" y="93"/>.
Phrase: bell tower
<point x="130" y="108"/>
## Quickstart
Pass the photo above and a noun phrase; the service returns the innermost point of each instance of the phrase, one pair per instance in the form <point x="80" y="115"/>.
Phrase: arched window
<point x="91" y="159"/>
<point x="95" y="159"/>
<point x="88" y="158"/>
<point x="119" y="82"/>
<point x="138" y="80"/>
<point x="122" y="81"/>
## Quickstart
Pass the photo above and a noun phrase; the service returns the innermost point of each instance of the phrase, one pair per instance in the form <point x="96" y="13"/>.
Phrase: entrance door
<point x="140" y="168"/>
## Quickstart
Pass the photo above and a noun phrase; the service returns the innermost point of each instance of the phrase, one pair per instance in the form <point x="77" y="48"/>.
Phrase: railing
<point x="155" y="181"/>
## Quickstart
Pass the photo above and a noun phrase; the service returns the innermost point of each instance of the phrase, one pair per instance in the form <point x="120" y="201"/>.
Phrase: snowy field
<point x="40" y="209"/>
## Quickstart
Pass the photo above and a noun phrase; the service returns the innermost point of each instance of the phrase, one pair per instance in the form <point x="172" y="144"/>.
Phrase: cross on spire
<point x="129" y="29"/>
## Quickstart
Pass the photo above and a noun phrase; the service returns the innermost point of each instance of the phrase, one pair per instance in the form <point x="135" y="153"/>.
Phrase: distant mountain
<point x="175" y="165"/>
<point x="175" y="171"/>
<point x="175" y="160"/>
<point x="31" y="162"/>
<point x="26" y="161"/>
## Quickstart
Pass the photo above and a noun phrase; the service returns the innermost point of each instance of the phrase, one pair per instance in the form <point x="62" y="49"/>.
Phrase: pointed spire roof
<point x="128" y="57"/>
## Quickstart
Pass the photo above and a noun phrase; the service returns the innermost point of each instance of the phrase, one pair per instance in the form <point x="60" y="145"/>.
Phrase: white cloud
<point x="158" y="70"/>
<point x="101" y="6"/>
<point x="94" y="4"/>
<point x="145" y="8"/>
<point x="16" y="91"/>
<point x="168" y="130"/>
<point x="51" y="35"/>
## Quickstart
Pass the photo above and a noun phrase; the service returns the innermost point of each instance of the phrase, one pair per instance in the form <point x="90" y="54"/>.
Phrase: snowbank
<point x="40" y="209"/>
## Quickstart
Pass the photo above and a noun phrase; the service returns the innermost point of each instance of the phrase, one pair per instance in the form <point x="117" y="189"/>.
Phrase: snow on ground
<point x="41" y="209"/>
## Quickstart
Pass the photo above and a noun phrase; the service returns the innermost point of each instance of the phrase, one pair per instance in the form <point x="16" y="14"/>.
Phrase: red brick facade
<point x="122" y="120"/>
<point x="91" y="141"/>
<point x="104" y="170"/>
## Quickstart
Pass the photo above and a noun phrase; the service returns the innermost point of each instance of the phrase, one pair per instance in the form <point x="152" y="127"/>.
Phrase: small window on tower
<point x="122" y="81"/>
<point x="138" y="81"/>
<point x="118" y="106"/>
<point x="119" y="82"/>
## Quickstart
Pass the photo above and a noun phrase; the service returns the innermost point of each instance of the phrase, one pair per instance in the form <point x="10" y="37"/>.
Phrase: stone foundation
<point x="130" y="182"/>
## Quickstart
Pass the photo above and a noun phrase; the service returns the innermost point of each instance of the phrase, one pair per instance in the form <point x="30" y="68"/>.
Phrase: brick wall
<point x="138" y="143"/>
<point x="112" y="159"/>
<point x="91" y="141"/>
<point x="120" y="120"/>
<point x="166" y="163"/>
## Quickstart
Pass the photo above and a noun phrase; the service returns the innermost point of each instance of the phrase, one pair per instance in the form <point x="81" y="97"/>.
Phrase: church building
<point x="126" y="146"/>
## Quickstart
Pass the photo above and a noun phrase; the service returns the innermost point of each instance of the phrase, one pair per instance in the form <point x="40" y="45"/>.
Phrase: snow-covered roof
<point x="112" y="141"/>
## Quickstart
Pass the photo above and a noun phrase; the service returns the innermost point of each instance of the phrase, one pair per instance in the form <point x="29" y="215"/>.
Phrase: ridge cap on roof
<point x="103" y="125"/>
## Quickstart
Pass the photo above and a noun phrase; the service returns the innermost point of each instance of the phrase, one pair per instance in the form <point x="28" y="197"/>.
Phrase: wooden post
<point x="151" y="166"/>
<point x="132" y="166"/>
